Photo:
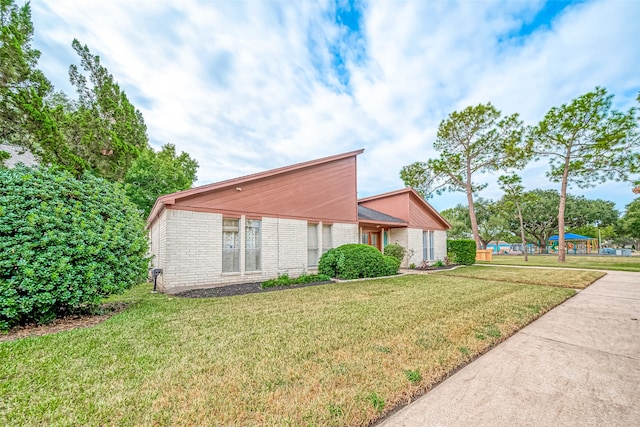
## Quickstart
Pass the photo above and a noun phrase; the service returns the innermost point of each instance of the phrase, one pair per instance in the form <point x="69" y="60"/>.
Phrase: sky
<point x="247" y="86"/>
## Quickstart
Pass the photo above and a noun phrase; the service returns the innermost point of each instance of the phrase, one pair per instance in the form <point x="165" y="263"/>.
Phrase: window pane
<point x="312" y="245"/>
<point x="253" y="245"/>
<point x="230" y="245"/>
<point x="424" y="245"/>
<point x="364" y="238"/>
<point x="431" y="250"/>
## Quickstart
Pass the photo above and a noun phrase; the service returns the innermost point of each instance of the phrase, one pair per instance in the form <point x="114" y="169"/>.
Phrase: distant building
<point x="18" y="155"/>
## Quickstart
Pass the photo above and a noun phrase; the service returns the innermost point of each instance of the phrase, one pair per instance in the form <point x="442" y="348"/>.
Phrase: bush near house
<point x="355" y="261"/>
<point x="395" y="250"/>
<point x="462" y="251"/>
<point x="64" y="244"/>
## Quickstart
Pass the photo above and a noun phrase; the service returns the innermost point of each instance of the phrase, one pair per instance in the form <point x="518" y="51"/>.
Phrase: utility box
<point x="484" y="255"/>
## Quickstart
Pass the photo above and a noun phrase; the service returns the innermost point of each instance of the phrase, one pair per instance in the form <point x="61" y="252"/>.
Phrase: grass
<point x="574" y="279"/>
<point x="618" y="263"/>
<point x="338" y="354"/>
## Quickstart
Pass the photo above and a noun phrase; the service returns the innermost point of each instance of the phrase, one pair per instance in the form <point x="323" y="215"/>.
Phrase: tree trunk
<point x="474" y="221"/>
<point x="524" y="241"/>
<point x="563" y="201"/>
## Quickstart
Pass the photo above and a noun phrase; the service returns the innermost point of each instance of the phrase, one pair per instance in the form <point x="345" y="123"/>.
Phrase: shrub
<point x="462" y="251"/>
<point x="354" y="261"/>
<point x="439" y="263"/>
<point x="284" y="280"/>
<point x="64" y="243"/>
<point x="392" y="265"/>
<point x="395" y="250"/>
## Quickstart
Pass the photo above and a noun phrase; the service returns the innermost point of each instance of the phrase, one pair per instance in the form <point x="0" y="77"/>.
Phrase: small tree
<point x="514" y="196"/>
<point x="586" y="142"/>
<point x="475" y="140"/>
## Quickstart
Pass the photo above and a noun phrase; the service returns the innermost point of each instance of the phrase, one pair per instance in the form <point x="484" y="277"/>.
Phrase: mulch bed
<point x="240" y="289"/>
<point x="65" y="323"/>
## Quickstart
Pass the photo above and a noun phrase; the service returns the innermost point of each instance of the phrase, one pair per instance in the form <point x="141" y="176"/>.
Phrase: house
<point x="255" y="227"/>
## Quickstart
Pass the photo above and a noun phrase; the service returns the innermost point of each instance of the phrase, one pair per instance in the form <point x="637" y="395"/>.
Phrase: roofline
<point x="170" y="199"/>
<point x="410" y="191"/>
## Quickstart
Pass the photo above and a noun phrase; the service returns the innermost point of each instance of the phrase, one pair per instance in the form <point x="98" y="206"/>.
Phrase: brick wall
<point x="411" y="239"/>
<point x="190" y="253"/>
<point x="440" y="244"/>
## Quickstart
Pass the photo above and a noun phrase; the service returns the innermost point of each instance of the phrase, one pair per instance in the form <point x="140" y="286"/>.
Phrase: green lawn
<point x="338" y="354"/>
<point x="575" y="279"/>
<point x="619" y="263"/>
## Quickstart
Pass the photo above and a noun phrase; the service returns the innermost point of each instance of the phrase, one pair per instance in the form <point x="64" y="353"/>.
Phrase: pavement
<point x="578" y="365"/>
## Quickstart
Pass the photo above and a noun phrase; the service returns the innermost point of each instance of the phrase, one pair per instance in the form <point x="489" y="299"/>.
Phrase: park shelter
<point x="576" y="244"/>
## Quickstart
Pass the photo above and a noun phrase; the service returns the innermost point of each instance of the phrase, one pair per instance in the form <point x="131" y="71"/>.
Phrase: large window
<point x="253" y="245"/>
<point x="230" y="245"/>
<point x="428" y="253"/>
<point x="327" y="238"/>
<point x="312" y="245"/>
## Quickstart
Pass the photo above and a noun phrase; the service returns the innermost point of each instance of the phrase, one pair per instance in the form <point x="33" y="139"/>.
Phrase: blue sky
<point x="246" y="86"/>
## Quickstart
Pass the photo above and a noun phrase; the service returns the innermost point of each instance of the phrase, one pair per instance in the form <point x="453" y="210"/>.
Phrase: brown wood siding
<point x="325" y="191"/>
<point x="395" y="205"/>
<point x="421" y="217"/>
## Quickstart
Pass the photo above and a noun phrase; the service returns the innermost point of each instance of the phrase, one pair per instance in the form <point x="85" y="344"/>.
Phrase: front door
<point x="371" y="238"/>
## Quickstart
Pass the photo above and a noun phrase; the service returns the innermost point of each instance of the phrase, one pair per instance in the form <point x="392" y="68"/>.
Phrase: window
<point x="428" y="253"/>
<point x="312" y="245"/>
<point x="364" y="238"/>
<point x="230" y="245"/>
<point x="253" y="245"/>
<point x="327" y="241"/>
<point x="431" y="248"/>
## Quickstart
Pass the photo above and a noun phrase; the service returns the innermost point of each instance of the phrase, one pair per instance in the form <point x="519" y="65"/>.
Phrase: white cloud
<point x="247" y="86"/>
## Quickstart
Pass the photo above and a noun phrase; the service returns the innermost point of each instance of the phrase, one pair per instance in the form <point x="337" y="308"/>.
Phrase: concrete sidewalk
<point x="578" y="365"/>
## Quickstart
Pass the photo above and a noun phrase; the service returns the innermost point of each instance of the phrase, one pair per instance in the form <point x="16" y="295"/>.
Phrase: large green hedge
<point x="463" y="251"/>
<point x="64" y="243"/>
<point x="354" y="261"/>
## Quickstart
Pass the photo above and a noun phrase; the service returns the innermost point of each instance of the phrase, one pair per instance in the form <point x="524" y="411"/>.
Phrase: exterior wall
<point x="395" y="205"/>
<point x="322" y="192"/>
<point x="440" y="244"/>
<point x="401" y="237"/>
<point x="415" y="244"/>
<point x="194" y="249"/>
<point x="158" y="245"/>
<point x="344" y="233"/>
<point x="193" y="255"/>
<point x="420" y="217"/>
<point x="411" y="239"/>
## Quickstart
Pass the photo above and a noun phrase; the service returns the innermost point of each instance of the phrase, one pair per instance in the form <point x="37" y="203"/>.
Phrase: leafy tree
<point x="419" y="177"/>
<point x="586" y="142"/>
<point x="458" y="217"/>
<point x="22" y="85"/>
<point x="491" y="223"/>
<point x="514" y="197"/>
<point x="475" y="140"/>
<point x="540" y="224"/>
<point x="102" y="127"/>
<point x="630" y="221"/>
<point x="153" y="174"/>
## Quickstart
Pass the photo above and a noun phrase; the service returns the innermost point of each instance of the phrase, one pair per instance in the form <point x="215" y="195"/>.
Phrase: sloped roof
<point x="421" y="201"/>
<point x="170" y="199"/>
<point x="368" y="214"/>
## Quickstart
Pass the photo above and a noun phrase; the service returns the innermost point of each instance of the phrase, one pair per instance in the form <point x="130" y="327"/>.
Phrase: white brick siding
<point x="411" y="239"/>
<point x="188" y="247"/>
<point x="440" y="244"/>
